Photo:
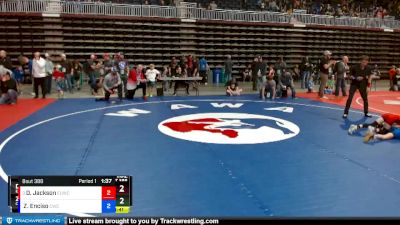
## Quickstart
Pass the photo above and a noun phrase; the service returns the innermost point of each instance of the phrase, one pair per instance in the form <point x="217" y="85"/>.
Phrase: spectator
<point x="39" y="74"/>
<point x="122" y="68"/>
<point x="341" y="69"/>
<point x="380" y="12"/>
<point x="279" y="68"/>
<point x="77" y="73"/>
<point x="228" y="67"/>
<point x="173" y="65"/>
<point x="195" y="72"/>
<point x="182" y="61"/>
<point x="255" y="70"/>
<point x="232" y="88"/>
<point x="305" y="70"/>
<point x="109" y="63"/>
<point x="112" y="83"/>
<point x="8" y="87"/>
<point x="189" y="65"/>
<point x="325" y="64"/>
<point x="269" y="87"/>
<point x="165" y="74"/>
<point x="213" y="5"/>
<point x="5" y="61"/>
<point x="19" y="77"/>
<point x="262" y="5"/>
<point x="59" y="77"/>
<point x="247" y="73"/>
<point x="67" y="70"/>
<point x="203" y="69"/>
<point x="286" y="82"/>
<point x="151" y="76"/>
<point x="263" y="65"/>
<point x="273" y="6"/>
<point x="180" y="73"/>
<point x="49" y="73"/>
<point x="135" y="81"/>
<point x="5" y="70"/>
<point x="396" y="79"/>
<point x="91" y="68"/>
<point x="296" y="72"/>
<point x="26" y="65"/>
<point x="392" y="74"/>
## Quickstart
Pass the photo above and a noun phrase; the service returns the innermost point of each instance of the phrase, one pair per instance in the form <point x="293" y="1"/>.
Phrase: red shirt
<point x="392" y="73"/>
<point x="190" y="62"/>
<point x="58" y="74"/>
<point x="133" y="76"/>
<point x="391" y="118"/>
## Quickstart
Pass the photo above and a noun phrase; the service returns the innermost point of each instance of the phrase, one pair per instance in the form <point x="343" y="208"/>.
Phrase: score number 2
<point x="121" y="188"/>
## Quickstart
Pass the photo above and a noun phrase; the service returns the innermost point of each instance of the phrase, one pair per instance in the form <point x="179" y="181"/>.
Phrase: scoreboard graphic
<point x="70" y="194"/>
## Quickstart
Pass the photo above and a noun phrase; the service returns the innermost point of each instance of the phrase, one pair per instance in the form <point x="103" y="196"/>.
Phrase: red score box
<point x="108" y="193"/>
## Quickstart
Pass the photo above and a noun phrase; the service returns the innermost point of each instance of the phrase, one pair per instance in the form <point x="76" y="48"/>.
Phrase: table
<point x="374" y="81"/>
<point x="191" y="80"/>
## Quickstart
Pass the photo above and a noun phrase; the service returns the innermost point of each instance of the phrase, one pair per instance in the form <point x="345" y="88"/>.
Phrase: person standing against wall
<point x="228" y="67"/>
<point x="39" y="74"/>
<point x="324" y="65"/>
<point x="341" y="70"/>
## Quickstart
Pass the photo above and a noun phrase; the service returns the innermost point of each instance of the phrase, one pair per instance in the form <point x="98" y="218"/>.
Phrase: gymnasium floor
<point x="280" y="158"/>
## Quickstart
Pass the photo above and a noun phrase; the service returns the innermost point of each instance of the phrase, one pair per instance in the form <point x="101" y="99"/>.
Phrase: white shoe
<point x="371" y="129"/>
<point x="370" y="135"/>
<point x="353" y="128"/>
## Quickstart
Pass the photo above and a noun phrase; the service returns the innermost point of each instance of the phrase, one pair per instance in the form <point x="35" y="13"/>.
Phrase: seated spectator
<point x="135" y="81"/>
<point x="112" y="82"/>
<point x="178" y="83"/>
<point x="232" y="88"/>
<point x="59" y="77"/>
<point x="262" y="6"/>
<point x="213" y="5"/>
<point x="273" y="6"/>
<point x="151" y="76"/>
<point x="8" y="87"/>
<point x="286" y="82"/>
<point x="380" y="12"/>
<point x="247" y="73"/>
<point x="269" y="85"/>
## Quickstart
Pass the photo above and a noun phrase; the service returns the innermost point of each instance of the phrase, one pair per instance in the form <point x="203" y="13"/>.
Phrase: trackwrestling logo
<point x="228" y="128"/>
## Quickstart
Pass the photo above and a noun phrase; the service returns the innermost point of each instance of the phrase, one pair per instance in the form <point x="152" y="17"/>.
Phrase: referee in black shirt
<point x="360" y="76"/>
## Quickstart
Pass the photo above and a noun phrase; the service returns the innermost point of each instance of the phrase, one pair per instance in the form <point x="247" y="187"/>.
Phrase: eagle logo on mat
<point x="229" y="128"/>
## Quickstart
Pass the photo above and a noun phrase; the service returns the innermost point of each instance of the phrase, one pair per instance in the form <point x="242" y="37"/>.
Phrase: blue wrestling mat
<point x="212" y="156"/>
